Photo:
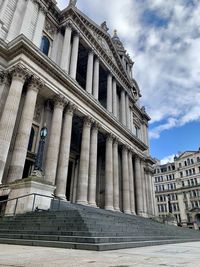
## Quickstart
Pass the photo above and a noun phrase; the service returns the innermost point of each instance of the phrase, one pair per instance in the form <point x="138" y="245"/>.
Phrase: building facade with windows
<point x="177" y="188"/>
<point x="64" y="76"/>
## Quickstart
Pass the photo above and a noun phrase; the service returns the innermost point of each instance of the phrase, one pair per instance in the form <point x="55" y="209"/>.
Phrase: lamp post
<point x="39" y="158"/>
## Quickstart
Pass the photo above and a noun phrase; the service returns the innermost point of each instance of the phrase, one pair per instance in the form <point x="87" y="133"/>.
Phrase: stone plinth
<point x="25" y="187"/>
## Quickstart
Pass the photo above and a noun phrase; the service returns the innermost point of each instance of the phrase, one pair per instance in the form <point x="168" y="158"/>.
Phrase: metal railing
<point x="16" y="199"/>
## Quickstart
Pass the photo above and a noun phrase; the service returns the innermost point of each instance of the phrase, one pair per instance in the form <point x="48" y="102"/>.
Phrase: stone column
<point x="9" y="115"/>
<point x="39" y="27"/>
<point x="115" y="98"/>
<point x="116" y="175"/>
<point x="21" y="143"/>
<point x="109" y="173"/>
<point x="74" y="56"/>
<point x="131" y="182"/>
<point x="4" y="89"/>
<point x="54" y="141"/>
<point x="144" y="191"/>
<point x="96" y="79"/>
<point x="82" y="185"/>
<point x="138" y="185"/>
<point x="123" y="107"/>
<point x="66" y="49"/>
<point x="109" y="92"/>
<point x="93" y="167"/>
<point x="27" y="19"/>
<point x="125" y="177"/>
<point x="89" y="76"/>
<point x="63" y="162"/>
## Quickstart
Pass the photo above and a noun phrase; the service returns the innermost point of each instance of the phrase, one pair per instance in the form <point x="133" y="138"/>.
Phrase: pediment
<point x="102" y="39"/>
<point x="186" y="154"/>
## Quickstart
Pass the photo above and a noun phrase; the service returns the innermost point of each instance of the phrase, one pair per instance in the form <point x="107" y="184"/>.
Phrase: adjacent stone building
<point x="64" y="76"/>
<point x="177" y="188"/>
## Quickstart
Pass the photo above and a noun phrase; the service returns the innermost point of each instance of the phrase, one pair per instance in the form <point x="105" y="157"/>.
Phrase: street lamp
<point x="39" y="157"/>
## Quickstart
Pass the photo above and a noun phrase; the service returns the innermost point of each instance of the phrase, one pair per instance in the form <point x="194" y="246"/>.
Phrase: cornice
<point x="22" y="45"/>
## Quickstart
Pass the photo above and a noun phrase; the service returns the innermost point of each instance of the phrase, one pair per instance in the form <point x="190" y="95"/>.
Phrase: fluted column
<point x="74" y="56"/>
<point x="96" y="79"/>
<point x="131" y="121"/>
<point x="109" y="92"/>
<point x="131" y="183"/>
<point x="109" y="174"/>
<point x="125" y="177"/>
<point x="89" y="75"/>
<point x="54" y="141"/>
<point x="123" y="107"/>
<point x="63" y="162"/>
<point x="21" y="143"/>
<point x="116" y="175"/>
<point x="9" y="115"/>
<point x="127" y="112"/>
<point x="82" y="185"/>
<point x="93" y="167"/>
<point x="138" y="185"/>
<point x="4" y="89"/>
<point x="66" y="49"/>
<point x="114" y="98"/>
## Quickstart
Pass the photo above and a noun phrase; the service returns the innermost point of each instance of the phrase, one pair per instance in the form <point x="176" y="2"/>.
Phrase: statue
<point x="72" y="2"/>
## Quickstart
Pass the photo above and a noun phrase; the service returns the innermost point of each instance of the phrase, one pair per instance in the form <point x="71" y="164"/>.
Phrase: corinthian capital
<point x="70" y="108"/>
<point x="60" y="101"/>
<point x="19" y="72"/>
<point x="35" y="83"/>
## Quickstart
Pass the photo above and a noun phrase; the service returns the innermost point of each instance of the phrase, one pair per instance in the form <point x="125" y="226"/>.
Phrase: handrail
<point x="34" y="198"/>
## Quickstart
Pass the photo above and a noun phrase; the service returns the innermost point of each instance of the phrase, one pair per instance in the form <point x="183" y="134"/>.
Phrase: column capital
<point x="125" y="148"/>
<point x="35" y="83"/>
<point x="110" y="137"/>
<point x="116" y="140"/>
<point x="96" y="126"/>
<point x="70" y="108"/>
<point x="19" y="72"/>
<point x="59" y="101"/>
<point x="87" y="121"/>
<point x="91" y="52"/>
<point x="68" y="25"/>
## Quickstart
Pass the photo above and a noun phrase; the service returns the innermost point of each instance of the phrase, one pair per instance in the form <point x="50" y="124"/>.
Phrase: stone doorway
<point x="70" y="180"/>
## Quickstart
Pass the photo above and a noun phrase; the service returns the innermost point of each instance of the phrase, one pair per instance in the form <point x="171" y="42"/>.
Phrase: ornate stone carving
<point x="5" y="77"/>
<point x="70" y="108"/>
<point x="37" y="113"/>
<point x="60" y="101"/>
<point x="49" y="28"/>
<point x="19" y="72"/>
<point x="35" y="83"/>
<point x="87" y="121"/>
<point x="72" y="2"/>
<point x="104" y="26"/>
<point x="110" y="137"/>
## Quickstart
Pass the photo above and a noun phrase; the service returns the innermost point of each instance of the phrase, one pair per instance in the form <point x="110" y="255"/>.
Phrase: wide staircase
<point x="81" y="227"/>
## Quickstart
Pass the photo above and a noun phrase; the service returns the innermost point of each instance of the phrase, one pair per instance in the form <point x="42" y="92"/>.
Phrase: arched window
<point x="45" y="45"/>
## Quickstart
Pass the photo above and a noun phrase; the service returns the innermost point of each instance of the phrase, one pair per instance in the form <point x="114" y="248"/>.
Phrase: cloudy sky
<point x="163" y="38"/>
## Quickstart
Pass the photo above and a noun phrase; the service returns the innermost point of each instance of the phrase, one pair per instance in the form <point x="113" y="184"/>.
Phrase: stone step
<point x="89" y="246"/>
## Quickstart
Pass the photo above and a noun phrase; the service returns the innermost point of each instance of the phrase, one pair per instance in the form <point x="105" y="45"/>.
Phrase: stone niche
<point x="25" y="204"/>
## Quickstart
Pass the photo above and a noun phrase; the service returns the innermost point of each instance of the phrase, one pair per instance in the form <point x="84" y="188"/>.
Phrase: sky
<point x="163" y="39"/>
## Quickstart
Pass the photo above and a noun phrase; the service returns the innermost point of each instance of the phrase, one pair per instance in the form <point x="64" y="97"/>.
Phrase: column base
<point x="109" y="208"/>
<point x="133" y="212"/>
<point x="127" y="212"/>
<point x="85" y="203"/>
<point x="117" y="209"/>
<point x="62" y="197"/>
<point x="93" y="205"/>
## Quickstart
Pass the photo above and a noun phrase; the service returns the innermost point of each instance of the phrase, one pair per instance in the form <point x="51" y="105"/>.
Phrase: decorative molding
<point x="59" y="101"/>
<point x="87" y="121"/>
<point x="19" y="72"/>
<point x="70" y="108"/>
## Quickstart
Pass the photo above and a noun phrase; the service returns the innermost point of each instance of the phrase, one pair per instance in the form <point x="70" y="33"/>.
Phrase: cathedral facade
<point x="70" y="120"/>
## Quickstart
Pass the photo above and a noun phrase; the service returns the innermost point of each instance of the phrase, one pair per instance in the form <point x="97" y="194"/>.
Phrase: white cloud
<point x="167" y="62"/>
<point x="167" y="159"/>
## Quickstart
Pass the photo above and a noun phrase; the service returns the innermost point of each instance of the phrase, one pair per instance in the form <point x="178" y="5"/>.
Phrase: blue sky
<point x="163" y="39"/>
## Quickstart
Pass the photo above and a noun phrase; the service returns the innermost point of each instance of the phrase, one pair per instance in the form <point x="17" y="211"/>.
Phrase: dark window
<point x="31" y="138"/>
<point x="45" y="44"/>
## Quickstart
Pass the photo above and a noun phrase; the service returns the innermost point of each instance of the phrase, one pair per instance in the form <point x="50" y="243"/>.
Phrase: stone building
<point x="177" y="188"/>
<point x="65" y="76"/>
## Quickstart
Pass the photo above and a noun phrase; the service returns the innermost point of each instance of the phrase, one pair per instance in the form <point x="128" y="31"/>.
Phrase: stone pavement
<point x="185" y="255"/>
